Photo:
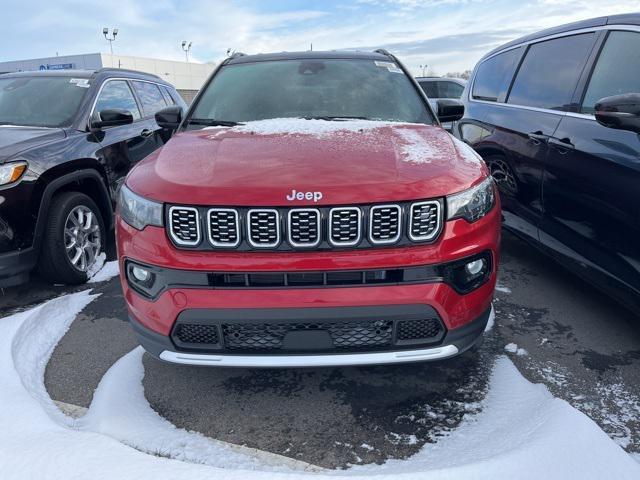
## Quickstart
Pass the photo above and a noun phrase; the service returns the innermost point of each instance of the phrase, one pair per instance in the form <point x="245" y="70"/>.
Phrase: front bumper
<point x="454" y="343"/>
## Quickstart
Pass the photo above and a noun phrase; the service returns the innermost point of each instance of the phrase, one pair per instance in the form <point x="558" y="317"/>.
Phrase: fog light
<point x="475" y="267"/>
<point x="140" y="274"/>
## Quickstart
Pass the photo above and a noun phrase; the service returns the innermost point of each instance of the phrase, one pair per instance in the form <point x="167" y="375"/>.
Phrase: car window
<point x="150" y="96"/>
<point x="494" y="75"/>
<point x="430" y="89"/>
<point x="617" y="70"/>
<point x="167" y="96"/>
<point x="449" y="90"/>
<point x="550" y="71"/>
<point x="117" y="94"/>
<point x="315" y="87"/>
<point x="40" y="101"/>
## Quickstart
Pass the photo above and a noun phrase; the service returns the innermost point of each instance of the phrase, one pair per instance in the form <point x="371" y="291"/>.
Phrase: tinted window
<point x="117" y="94"/>
<point x="549" y="72"/>
<point x="150" y="96"/>
<point x="494" y="75"/>
<point x="449" y="90"/>
<point x="430" y="89"/>
<point x="40" y="101"/>
<point x="617" y="70"/>
<point x="312" y="88"/>
<point x="167" y="96"/>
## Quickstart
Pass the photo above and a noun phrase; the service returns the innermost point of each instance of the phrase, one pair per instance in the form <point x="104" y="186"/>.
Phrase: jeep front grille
<point x="184" y="225"/>
<point x="321" y="228"/>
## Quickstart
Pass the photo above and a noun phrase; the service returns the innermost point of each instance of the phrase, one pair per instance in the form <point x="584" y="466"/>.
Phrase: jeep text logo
<point x="295" y="195"/>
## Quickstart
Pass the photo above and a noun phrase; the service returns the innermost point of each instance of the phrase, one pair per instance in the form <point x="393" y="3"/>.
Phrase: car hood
<point x="260" y="163"/>
<point x="16" y="139"/>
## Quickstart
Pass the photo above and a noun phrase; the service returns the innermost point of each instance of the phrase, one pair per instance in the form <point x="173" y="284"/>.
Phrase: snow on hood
<point x="522" y="431"/>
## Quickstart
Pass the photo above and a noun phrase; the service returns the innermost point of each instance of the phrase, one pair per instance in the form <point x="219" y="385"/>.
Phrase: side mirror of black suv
<point x="621" y="112"/>
<point x="169" y="117"/>
<point x="111" y="118"/>
<point x="450" y="110"/>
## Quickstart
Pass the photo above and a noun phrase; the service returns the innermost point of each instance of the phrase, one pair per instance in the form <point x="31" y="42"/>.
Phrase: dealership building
<point x="187" y="77"/>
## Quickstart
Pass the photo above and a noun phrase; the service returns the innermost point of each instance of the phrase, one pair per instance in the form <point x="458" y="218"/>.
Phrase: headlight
<point x="138" y="211"/>
<point x="11" y="172"/>
<point x="472" y="204"/>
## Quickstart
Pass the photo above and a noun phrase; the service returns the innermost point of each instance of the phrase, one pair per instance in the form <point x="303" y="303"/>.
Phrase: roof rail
<point x="383" y="51"/>
<point x="128" y="70"/>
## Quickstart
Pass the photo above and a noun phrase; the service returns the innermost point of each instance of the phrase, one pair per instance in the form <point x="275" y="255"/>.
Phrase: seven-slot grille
<point x="345" y="226"/>
<point x="304" y="227"/>
<point x="424" y="220"/>
<point x="263" y="228"/>
<point x="224" y="227"/>
<point x="185" y="225"/>
<point x="282" y="228"/>
<point x="384" y="224"/>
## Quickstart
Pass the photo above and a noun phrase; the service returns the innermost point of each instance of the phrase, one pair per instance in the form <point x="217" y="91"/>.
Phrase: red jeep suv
<point x="309" y="211"/>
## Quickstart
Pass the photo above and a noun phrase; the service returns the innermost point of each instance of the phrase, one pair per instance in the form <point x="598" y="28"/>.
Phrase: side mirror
<point x="169" y="118"/>
<point x="112" y="117"/>
<point x="621" y="112"/>
<point x="449" y="110"/>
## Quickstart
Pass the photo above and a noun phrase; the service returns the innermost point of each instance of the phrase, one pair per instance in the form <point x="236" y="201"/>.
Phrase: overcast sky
<point x="447" y="35"/>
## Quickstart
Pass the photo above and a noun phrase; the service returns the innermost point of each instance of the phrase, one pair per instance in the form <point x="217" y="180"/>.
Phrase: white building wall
<point x="90" y="61"/>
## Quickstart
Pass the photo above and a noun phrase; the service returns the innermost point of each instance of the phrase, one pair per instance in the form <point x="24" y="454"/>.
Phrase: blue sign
<point x="57" y="66"/>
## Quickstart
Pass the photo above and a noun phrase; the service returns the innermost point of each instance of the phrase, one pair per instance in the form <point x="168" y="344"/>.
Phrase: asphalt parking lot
<point x="557" y="330"/>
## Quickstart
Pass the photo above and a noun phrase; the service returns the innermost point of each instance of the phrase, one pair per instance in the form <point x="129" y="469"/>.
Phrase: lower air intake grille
<point x="270" y="336"/>
<point x="184" y="225"/>
<point x="199" y="334"/>
<point x="418" y="329"/>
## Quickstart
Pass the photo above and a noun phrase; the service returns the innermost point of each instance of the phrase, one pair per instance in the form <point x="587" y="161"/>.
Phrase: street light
<point x="186" y="47"/>
<point x="105" y="32"/>
<point x="424" y="68"/>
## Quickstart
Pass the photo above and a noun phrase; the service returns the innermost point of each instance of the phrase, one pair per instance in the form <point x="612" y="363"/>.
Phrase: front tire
<point x="73" y="238"/>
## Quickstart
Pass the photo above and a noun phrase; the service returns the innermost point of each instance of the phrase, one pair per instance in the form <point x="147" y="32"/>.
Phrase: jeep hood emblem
<point x="295" y="195"/>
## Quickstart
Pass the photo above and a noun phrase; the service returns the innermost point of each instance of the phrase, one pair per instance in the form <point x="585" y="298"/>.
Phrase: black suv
<point x="556" y="116"/>
<point x="67" y="139"/>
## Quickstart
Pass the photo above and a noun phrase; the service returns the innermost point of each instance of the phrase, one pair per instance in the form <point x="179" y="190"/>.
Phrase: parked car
<point x="436" y="88"/>
<point x="67" y="139"/>
<point x="299" y="219"/>
<point x="556" y="116"/>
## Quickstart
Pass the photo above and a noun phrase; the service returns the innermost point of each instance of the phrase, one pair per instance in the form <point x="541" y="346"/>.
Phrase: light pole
<point x="424" y="68"/>
<point x="186" y="47"/>
<point x="105" y="32"/>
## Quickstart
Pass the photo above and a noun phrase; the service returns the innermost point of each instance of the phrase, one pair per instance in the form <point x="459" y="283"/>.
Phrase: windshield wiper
<point x="336" y="118"/>
<point x="213" y="123"/>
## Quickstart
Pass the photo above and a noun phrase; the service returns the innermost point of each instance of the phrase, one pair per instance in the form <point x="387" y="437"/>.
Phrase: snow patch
<point x="520" y="423"/>
<point x="492" y="320"/>
<point x="513" y="348"/>
<point x="503" y="289"/>
<point x="106" y="271"/>
<point x="415" y="148"/>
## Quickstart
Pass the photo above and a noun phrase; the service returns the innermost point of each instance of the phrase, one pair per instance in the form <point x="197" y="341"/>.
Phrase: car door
<point x="122" y="146"/>
<point x="592" y="175"/>
<point x="151" y="100"/>
<point x="540" y="93"/>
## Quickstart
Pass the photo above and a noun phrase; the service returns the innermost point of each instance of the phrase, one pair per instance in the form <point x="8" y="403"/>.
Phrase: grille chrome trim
<point x="399" y="228"/>
<point x="237" y="229"/>
<point x="277" y="225"/>
<point x="435" y="231"/>
<point x="318" y="228"/>
<point x="330" y="232"/>
<point x="178" y="240"/>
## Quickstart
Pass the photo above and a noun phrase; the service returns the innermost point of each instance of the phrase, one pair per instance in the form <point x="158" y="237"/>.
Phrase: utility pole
<point x="186" y="47"/>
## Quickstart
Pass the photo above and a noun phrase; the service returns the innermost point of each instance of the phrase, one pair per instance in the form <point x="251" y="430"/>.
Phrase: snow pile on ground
<point x="314" y="127"/>
<point x="101" y="271"/>
<point x="522" y="432"/>
<point x="415" y="148"/>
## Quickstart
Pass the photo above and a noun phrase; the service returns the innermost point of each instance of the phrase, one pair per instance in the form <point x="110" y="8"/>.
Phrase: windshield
<point x="311" y="88"/>
<point x="40" y="101"/>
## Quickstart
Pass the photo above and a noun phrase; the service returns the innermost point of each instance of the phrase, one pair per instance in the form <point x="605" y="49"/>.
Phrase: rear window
<point x="304" y="88"/>
<point x="494" y="75"/>
<point x="430" y="89"/>
<point x="40" y="101"/>
<point x="550" y="71"/>
<point x="150" y="96"/>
